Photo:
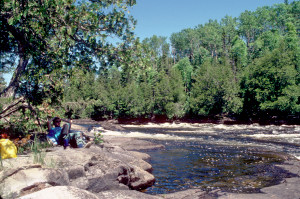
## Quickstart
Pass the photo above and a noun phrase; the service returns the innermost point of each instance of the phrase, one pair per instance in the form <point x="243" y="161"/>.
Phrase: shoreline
<point x="214" y="120"/>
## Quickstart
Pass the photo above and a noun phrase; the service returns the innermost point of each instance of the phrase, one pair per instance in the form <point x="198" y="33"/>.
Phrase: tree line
<point x="244" y="67"/>
<point x="65" y="62"/>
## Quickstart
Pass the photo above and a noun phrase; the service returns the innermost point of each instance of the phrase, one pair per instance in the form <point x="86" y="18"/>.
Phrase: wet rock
<point x="289" y="188"/>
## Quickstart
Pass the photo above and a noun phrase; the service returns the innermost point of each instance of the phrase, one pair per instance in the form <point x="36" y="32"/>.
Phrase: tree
<point x="211" y="38"/>
<point x="158" y="48"/>
<point x="186" y="70"/>
<point x="43" y="33"/>
<point x="238" y="54"/>
<point x="271" y="84"/>
<point x="215" y="91"/>
<point x="229" y="32"/>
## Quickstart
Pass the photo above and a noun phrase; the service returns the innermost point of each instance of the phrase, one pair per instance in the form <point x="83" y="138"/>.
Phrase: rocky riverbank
<point x="113" y="169"/>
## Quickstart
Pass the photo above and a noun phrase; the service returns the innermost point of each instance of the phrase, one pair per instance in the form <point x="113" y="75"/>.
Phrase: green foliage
<point x="239" y="66"/>
<point x="186" y="70"/>
<point x="219" y="68"/>
<point x="215" y="91"/>
<point x="98" y="138"/>
<point x="238" y="54"/>
<point x="271" y="83"/>
<point x="50" y="35"/>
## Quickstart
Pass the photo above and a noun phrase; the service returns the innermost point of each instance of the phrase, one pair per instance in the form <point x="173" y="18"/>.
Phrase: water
<point x="235" y="158"/>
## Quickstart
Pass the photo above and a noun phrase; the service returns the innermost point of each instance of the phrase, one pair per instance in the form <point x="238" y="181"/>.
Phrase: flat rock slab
<point x="187" y="194"/>
<point x="132" y="144"/>
<point x="125" y="194"/>
<point x="61" y="192"/>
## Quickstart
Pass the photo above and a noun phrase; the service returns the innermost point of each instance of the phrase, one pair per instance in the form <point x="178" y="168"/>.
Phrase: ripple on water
<point x="228" y="168"/>
<point x="236" y="158"/>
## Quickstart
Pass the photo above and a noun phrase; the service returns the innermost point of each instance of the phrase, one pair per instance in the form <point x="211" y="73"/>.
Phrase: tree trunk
<point x="13" y="86"/>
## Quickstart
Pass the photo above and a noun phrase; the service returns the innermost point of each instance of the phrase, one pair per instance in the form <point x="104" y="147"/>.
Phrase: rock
<point x="143" y="156"/>
<point x="140" y="179"/>
<point x="16" y="182"/>
<point x="125" y="194"/>
<point x="94" y="169"/>
<point x="111" y="125"/>
<point x="187" y="194"/>
<point x="61" y="192"/>
<point x="101" y="169"/>
<point x="126" y="156"/>
<point x="132" y="144"/>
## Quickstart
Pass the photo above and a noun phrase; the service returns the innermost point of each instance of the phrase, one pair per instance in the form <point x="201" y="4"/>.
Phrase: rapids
<point x="235" y="158"/>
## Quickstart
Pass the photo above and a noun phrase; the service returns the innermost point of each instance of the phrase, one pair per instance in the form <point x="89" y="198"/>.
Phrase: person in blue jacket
<point x="58" y="135"/>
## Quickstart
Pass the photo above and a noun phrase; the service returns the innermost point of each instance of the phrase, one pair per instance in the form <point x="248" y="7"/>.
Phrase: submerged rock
<point x="289" y="188"/>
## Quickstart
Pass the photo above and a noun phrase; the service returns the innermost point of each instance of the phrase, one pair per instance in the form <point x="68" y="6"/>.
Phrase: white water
<point x="284" y="138"/>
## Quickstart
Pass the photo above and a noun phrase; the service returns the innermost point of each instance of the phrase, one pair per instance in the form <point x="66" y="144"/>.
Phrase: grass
<point x="38" y="154"/>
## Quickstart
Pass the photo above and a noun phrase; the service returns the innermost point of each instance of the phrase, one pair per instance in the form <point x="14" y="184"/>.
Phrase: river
<point x="234" y="158"/>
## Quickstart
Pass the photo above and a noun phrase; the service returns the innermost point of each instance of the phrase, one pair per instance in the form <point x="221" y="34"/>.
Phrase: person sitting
<point x="65" y="136"/>
<point x="58" y="135"/>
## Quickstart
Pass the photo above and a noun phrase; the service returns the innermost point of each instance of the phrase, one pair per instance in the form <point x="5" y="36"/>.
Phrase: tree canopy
<point x="48" y="35"/>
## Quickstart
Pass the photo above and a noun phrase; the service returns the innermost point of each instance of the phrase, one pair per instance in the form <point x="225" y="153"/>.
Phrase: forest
<point x="66" y="63"/>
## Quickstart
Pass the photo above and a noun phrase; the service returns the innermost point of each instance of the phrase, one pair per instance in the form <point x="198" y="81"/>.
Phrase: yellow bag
<point x="7" y="149"/>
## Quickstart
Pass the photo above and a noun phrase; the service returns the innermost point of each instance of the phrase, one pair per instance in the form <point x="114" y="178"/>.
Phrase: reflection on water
<point x="237" y="158"/>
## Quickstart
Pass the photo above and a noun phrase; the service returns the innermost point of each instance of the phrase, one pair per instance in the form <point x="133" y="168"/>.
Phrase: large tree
<point x="44" y="35"/>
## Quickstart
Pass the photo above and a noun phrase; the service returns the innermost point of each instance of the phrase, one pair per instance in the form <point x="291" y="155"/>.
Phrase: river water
<point x="234" y="158"/>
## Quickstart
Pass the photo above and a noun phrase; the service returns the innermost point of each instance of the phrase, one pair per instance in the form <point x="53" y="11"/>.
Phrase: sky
<point x="164" y="17"/>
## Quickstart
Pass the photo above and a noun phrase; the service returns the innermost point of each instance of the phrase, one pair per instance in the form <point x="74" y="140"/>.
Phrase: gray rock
<point x="94" y="169"/>
<point x="126" y="156"/>
<point x="101" y="170"/>
<point x="125" y="194"/>
<point x="187" y="194"/>
<point x="16" y="182"/>
<point x="143" y="156"/>
<point x="132" y="144"/>
<point x="61" y="192"/>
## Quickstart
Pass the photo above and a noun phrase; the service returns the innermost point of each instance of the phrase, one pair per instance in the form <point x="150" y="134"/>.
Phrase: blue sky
<point x="164" y="17"/>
